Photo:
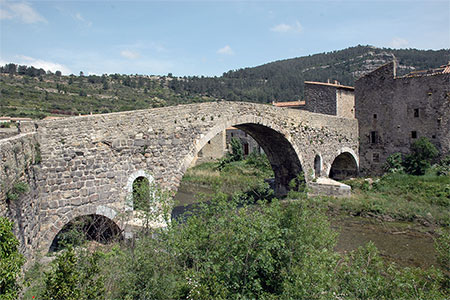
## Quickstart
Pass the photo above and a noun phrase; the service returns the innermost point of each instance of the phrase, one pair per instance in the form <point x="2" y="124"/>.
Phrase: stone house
<point x="393" y="112"/>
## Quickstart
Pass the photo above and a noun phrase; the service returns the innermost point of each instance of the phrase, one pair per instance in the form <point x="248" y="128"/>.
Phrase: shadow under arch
<point x="47" y="237"/>
<point x="283" y="157"/>
<point x="344" y="166"/>
<point x="91" y="227"/>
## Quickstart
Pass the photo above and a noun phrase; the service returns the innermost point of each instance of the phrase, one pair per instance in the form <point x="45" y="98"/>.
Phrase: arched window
<point x="317" y="165"/>
<point x="141" y="193"/>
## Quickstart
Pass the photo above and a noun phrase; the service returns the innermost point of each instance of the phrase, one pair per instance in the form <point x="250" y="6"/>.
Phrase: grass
<point x="401" y="197"/>
<point x="235" y="177"/>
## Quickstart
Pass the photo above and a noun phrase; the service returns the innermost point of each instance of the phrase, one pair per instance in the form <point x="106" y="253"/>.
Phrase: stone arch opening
<point x="138" y="183"/>
<point x="282" y="156"/>
<point x="317" y="165"/>
<point x="92" y="227"/>
<point x="344" y="167"/>
<point x="141" y="193"/>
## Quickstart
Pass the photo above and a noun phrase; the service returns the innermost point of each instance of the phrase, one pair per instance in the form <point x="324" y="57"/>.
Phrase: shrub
<point x="74" y="277"/>
<point x="394" y="163"/>
<point x="11" y="261"/>
<point x="423" y="153"/>
<point x="443" y="168"/>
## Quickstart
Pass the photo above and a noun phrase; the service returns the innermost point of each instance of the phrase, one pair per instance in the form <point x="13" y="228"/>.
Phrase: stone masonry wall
<point x="345" y="102"/>
<point x="19" y="165"/>
<point x="394" y="112"/>
<point x="214" y="149"/>
<point x="320" y="99"/>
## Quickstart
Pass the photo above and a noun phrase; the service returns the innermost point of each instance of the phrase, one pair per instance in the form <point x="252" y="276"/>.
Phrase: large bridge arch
<point x="282" y="152"/>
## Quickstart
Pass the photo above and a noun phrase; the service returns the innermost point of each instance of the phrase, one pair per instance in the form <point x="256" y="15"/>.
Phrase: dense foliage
<point x="229" y="250"/>
<point x="74" y="276"/>
<point x="26" y="91"/>
<point x="11" y="261"/>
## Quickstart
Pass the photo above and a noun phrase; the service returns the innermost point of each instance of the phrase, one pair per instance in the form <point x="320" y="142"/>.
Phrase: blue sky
<point x="207" y="37"/>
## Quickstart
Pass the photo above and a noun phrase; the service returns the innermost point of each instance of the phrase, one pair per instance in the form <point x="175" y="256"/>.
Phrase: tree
<point x="11" y="261"/>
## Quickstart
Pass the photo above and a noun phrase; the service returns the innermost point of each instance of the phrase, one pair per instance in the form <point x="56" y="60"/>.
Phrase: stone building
<point x="330" y="98"/>
<point x="248" y="143"/>
<point x="393" y="112"/>
<point x="325" y="98"/>
<point x="215" y="148"/>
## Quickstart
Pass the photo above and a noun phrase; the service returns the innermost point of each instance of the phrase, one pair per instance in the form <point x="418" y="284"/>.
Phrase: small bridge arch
<point x="108" y="213"/>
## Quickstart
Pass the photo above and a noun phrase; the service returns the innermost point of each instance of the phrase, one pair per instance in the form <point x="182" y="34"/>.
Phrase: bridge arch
<point x="345" y="165"/>
<point x="48" y="237"/>
<point x="282" y="152"/>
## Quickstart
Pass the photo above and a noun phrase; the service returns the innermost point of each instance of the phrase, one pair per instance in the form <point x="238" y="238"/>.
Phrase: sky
<point x="206" y="37"/>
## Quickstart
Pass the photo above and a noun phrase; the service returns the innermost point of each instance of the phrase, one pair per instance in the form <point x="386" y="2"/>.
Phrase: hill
<point x="30" y="92"/>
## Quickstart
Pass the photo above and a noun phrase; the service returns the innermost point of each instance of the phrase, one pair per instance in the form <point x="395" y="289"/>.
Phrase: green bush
<point x="394" y="163"/>
<point x="422" y="155"/>
<point x="18" y="189"/>
<point x="74" y="277"/>
<point x="11" y="261"/>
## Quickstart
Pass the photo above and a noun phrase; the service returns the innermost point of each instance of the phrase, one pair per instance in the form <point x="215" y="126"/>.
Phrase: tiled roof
<point x="331" y="84"/>
<point x="289" y="103"/>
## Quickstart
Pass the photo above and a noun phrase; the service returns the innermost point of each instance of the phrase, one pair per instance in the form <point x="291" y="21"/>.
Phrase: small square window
<point x="374" y="116"/>
<point x="414" y="134"/>
<point x="416" y="113"/>
<point x="376" y="157"/>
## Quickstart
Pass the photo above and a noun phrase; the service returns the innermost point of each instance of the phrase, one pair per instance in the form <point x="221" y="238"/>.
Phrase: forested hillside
<point x="27" y="91"/>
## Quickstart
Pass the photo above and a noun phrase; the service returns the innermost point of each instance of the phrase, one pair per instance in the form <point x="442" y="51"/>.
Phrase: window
<point x="374" y="116"/>
<point x="433" y="136"/>
<point x="416" y="113"/>
<point x="414" y="134"/>
<point x="209" y="142"/>
<point x="376" y="157"/>
<point x="232" y="134"/>
<point x="373" y="137"/>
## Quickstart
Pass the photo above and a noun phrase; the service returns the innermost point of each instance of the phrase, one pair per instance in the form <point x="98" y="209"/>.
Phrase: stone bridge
<point x="87" y="165"/>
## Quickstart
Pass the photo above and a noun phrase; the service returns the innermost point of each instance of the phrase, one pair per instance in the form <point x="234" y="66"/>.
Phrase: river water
<point x="403" y="243"/>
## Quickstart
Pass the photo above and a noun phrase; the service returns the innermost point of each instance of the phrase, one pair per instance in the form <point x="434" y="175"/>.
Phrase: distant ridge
<point x="29" y="92"/>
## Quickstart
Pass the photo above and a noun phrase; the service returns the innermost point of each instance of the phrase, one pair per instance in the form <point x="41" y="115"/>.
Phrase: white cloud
<point x="130" y="54"/>
<point x="21" y="11"/>
<point x="226" y="50"/>
<point x="399" y="43"/>
<point x="296" y="27"/>
<point x="37" y="63"/>
<point x="80" y="18"/>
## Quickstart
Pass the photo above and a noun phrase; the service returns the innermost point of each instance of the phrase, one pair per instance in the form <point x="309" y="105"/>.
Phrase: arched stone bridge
<point x="88" y="163"/>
